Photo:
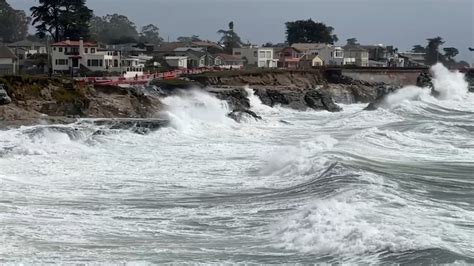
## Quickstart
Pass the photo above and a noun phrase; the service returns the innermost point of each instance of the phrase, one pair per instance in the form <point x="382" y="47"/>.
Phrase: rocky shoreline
<point x="59" y="101"/>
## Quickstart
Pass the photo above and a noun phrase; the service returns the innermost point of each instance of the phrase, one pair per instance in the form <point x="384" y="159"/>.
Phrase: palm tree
<point x="229" y="38"/>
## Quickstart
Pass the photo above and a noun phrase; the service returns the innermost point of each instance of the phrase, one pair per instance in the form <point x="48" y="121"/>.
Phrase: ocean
<point x="390" y="186"/>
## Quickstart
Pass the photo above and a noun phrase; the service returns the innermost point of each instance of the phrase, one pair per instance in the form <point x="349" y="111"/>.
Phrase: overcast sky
<point x="402" y="23"/>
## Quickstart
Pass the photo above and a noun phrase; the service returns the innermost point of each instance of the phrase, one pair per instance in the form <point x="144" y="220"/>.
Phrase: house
<point x="411" y="59"/>
<point x="380" y="55"/>
<point x="310" y="61"/>
<point x="24" y="49"/>
<point x="248" y="54"/>
<point x="330" y="54"/>
<point x="290" y="57"/>
<point x="177" y="61"/>
<point x="228" y="61"/>
<point x="360" y="55"/>
<point x="251" y="55"/>
<point x="70" y="56"/>
<point x="8" y="61"/>
<point x="265" y="58"/>
<point x="197" y="57"/>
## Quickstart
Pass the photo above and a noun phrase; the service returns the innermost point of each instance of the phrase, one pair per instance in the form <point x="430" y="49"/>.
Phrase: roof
<point x="228" y="57"/>
<point x="74" y="43"/>
<point x="207" y="44"/>
<point x="169" y="46"/>
<point x="5" y="52"/>
<point x="185" y="49"/>
<point x="26" y="43"/>
<point x="309" y="46"/>
<point x="351" y="47"/>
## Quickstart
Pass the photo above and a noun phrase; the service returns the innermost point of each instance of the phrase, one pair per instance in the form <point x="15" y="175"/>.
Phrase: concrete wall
<point x="401" y="77"/>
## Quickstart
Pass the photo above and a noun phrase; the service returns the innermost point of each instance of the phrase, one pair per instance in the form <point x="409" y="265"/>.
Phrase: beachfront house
<point x="310" y="61"/>
<point x="8" y="61"/>
<point x="248" y="54"/>
<point x="357" y="55"/>
<point x="71" y="56"/>
<point x="331" y="55"/>
<point x="227" y="61"/>
<point x="266" y="58"/>
<point x="290" y="57"/>
<point x="177" y="61"/>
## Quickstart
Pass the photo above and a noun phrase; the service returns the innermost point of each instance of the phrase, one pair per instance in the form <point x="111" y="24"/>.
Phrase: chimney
<point x="68" y="41"/>
<point x="81" y="45"/>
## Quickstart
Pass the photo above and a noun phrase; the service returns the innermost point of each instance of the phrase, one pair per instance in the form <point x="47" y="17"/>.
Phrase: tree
<point x="185" y="39"/>
<point x="230" y="39"/>
<point x="14" y="23"/>
<point x="113" y="29"/>
<point x="418" y="49"/>
<point x="62" y="19"/>
<point x="352" y="41"/>
<point x="150" y="34"/>
<point x="432" y="51"/>
<point x="308" y="31"/>
<point x="450" y="53"/>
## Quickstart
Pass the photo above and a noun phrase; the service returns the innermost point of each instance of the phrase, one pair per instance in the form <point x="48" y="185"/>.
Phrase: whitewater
<point x="394" y="185"/>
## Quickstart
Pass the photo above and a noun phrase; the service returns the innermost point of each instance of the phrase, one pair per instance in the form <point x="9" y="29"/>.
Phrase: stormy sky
<point x="401" y="23"/>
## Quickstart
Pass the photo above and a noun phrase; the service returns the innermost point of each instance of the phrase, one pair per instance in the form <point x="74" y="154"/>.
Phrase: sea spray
<point x="451" y="85"/>
<point x="195" y="107"/>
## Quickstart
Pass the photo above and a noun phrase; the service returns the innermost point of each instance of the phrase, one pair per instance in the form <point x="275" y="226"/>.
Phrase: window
<point x="95" y="63"/>
<point x="60" y="49"/>
<point x="54" y="48"/>
<point x="86" y="50"/>
<point x="255" y="54"/>
<point x="261" y="54"/>
<point x="92" y="50"/>
<point x="61" y="62"/>
<point x="268" y="54"/>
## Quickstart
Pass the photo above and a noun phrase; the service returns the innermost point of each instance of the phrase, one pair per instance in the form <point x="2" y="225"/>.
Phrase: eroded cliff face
<point x="37" y="99"/>
<point x="293" y="84"/>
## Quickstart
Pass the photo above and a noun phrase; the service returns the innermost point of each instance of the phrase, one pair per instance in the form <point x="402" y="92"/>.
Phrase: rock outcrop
<point x="4" y="98"/>
<point x="52" y="99"/>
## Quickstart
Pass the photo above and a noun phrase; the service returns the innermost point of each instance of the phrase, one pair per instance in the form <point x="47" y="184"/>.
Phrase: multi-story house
<point x="249" y="55"/>
<point x="330" y="55"/>
<point x="266" y="58"/>
<point x="69" y="56"/>
<point x="290" y="57"/>
<point x="358" y="55"/>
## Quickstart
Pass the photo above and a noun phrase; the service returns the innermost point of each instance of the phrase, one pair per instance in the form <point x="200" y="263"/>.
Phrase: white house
<point x="8" y="64"/>
<point x="266" y="58"/>
<point x="79" y="54"/>
<point x="177" y="61"/>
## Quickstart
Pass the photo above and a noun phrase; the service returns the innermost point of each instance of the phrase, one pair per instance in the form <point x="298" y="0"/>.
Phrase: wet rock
<point x="140" y="126"/>
<point x="239" y="114"/>
<point x="4" y="98"/>
<point x="319" y="100"/>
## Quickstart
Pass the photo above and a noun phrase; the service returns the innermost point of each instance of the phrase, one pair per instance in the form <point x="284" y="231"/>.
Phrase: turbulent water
<point x="395" y="185"/>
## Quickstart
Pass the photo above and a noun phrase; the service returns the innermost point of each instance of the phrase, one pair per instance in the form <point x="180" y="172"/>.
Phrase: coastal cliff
<point x="35" y="100"/>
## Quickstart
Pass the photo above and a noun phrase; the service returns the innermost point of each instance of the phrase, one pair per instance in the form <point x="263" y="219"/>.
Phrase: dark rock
<point x="4" y="98"/>
<point x="320" y="100"/>
<point x="140" y="126"/>
<point x="237" y="98"/>
<point x="239" y="114"/>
